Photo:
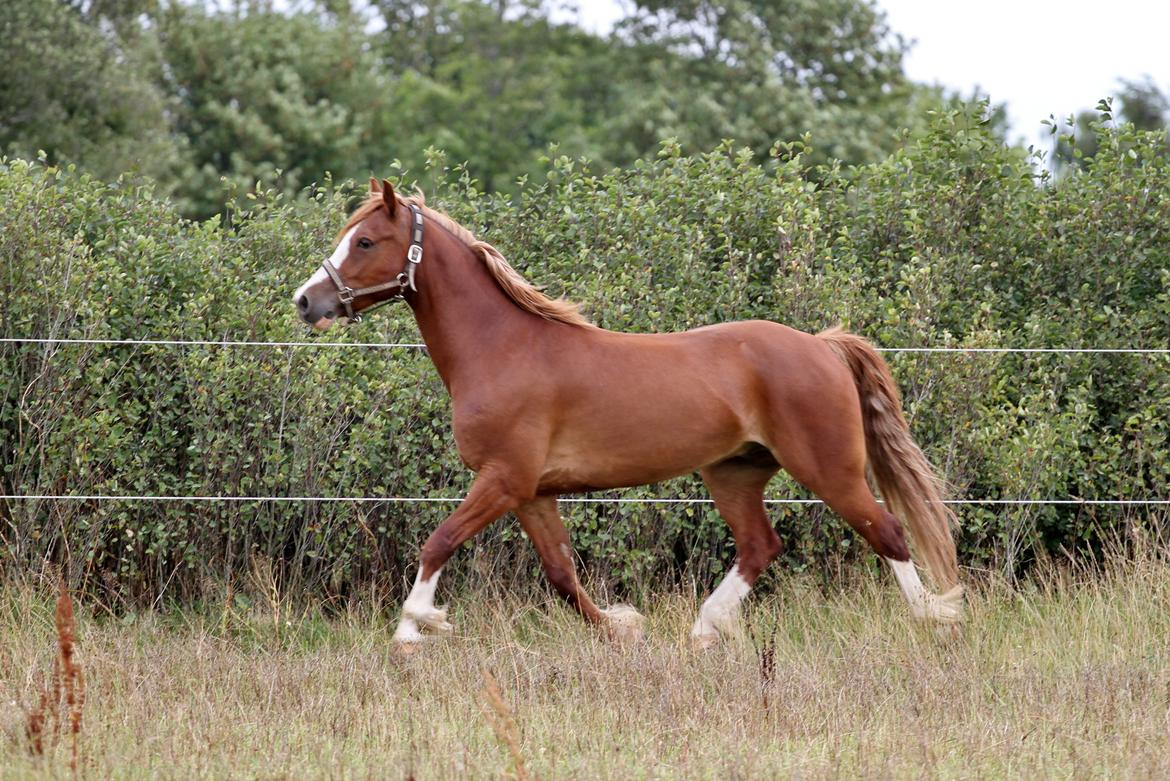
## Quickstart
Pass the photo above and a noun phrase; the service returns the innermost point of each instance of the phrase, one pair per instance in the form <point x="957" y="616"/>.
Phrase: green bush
<point x="954" y="241"/>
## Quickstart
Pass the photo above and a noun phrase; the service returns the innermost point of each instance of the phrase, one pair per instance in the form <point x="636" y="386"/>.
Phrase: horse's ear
<point x="375" y="185"/>
<point x="388" y="197"/>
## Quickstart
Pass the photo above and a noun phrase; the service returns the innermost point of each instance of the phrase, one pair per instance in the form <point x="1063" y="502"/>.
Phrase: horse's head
<point x="375" y="260"/>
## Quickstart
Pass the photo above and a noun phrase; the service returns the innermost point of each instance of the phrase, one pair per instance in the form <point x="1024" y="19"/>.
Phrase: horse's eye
<point x="364" y="243"/>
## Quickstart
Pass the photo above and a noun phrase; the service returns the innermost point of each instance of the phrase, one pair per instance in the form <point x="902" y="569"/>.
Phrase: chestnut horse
<point x="546" y="404"/>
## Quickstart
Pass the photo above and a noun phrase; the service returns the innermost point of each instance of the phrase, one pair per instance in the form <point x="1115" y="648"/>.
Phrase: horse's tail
<point x="904" y="477"/>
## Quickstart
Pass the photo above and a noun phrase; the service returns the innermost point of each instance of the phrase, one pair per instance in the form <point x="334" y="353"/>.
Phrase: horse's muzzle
<point x="317" y="311"/>
<point x="302" y="304"/>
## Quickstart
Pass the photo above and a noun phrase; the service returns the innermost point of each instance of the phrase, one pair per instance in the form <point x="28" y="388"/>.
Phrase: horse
<point x="545" y="403"/>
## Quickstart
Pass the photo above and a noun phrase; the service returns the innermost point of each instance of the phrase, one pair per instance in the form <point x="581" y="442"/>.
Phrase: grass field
<point x="1068" y="677"/>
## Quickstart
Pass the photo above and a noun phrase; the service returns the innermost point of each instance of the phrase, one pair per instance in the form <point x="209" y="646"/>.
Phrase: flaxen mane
<point x="514" y="286"/>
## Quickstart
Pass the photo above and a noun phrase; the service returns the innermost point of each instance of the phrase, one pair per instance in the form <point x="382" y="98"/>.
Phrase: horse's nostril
<point x="303" y="303"/>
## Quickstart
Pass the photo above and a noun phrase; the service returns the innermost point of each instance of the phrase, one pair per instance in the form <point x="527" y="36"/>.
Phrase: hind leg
<point x="543" y="525"/>
<point x="737" y="486"/>
<point x="824" y="450"/>
<point x="852" y="499"/>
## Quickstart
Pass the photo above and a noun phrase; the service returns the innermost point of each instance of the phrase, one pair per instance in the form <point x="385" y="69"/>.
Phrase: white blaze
<point x="337" y="259"/>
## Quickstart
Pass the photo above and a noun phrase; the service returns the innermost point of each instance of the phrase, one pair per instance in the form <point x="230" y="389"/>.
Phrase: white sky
<point x="1039" y="58"/>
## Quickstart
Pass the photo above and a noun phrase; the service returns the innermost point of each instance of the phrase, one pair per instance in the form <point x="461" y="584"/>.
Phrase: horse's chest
<point x="496" y="431"/>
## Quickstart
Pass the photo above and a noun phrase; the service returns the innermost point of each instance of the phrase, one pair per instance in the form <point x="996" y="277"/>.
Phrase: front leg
<point x="543" y="525"/>
<point x="492" y="494"/>
<point x="419" y="611"/>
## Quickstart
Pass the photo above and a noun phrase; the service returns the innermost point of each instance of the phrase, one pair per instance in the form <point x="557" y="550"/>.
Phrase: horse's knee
<point x="436" y="550"/>
<point x="772" y="545"/>
<point x="885" y="536"/>
<point x="759" y="553"/>
<point x="563" y="579"/>
<point x="881" y="529"/>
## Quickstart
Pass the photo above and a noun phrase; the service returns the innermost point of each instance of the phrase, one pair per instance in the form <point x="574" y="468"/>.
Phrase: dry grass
<point x="1069" y="678"/>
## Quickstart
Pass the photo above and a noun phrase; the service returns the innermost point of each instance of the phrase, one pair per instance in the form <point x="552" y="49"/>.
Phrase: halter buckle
<point x="345" y="295"/>
<point x="414" y="254"/>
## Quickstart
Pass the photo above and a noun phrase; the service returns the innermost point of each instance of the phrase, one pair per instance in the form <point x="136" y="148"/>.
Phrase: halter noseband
<point x="400" y="284"/>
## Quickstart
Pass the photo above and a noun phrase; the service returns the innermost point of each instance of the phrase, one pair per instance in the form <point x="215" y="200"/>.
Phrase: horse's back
<point x="759" y="349"/>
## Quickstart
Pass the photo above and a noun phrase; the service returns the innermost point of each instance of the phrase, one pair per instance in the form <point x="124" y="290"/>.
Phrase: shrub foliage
<point x="954" y="241"/>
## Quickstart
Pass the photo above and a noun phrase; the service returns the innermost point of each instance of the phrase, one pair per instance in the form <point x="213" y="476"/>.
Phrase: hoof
<point x="705" y="635"/>
<point x="715" y="627"/>
<point x="407" y="649"/>
<point x="624" y="624"/>
<point x="434" y="619"/>
<point x="946" y="608"/>
<point x="948" y="632"/>
<point x="705" y="641"/>
<point x="416" y="627"/>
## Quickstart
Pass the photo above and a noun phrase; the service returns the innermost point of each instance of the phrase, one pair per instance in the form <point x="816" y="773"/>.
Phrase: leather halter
<point x="400" y="284"/>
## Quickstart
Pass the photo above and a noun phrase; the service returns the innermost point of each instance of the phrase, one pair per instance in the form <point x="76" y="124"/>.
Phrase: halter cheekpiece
<point x="400" y="284"/>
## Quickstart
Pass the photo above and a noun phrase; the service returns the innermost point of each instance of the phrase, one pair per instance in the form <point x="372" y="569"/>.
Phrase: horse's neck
<point x="466" y="320"/>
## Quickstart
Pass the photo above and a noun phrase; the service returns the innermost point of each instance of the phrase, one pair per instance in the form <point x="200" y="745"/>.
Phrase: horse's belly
<point x="653" y="410"/>
<point x="602" y="460"/>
